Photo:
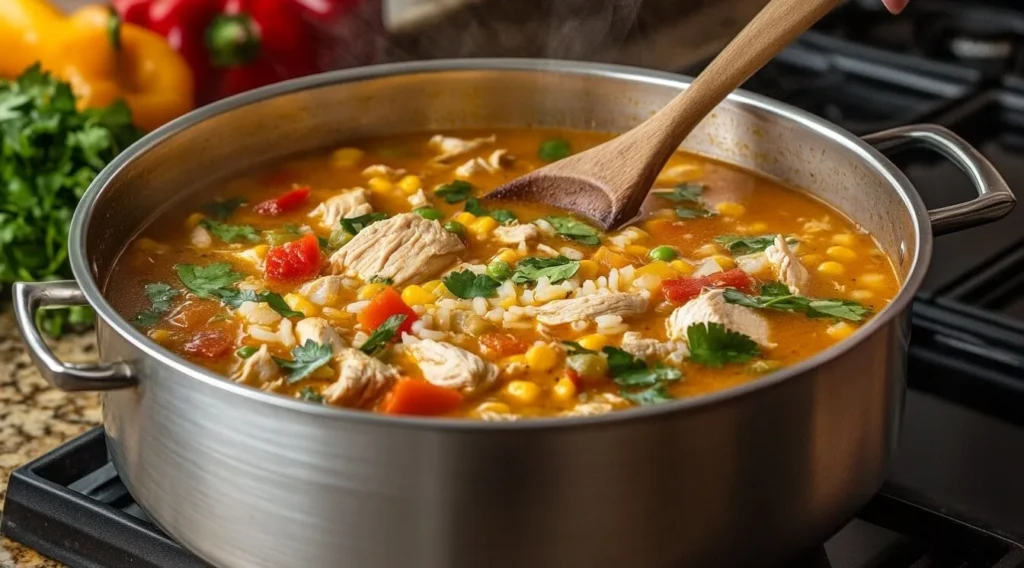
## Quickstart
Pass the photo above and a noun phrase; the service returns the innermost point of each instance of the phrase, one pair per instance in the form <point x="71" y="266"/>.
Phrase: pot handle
<point x="995" y="200"/>
<point x="29" y="297"/>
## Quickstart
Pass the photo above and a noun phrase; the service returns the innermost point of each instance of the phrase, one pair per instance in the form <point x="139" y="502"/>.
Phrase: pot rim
<point x="84" y="212"/>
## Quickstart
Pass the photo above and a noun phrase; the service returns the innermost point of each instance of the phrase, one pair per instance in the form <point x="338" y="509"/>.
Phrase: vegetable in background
<point x="49" y="154"/>
<point x="102" y="58"/>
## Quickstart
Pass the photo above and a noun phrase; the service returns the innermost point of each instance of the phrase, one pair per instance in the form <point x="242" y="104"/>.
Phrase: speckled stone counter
<point x="35" y="418"/>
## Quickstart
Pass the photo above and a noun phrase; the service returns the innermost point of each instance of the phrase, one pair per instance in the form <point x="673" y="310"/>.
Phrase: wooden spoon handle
<point x="775" y="27"/>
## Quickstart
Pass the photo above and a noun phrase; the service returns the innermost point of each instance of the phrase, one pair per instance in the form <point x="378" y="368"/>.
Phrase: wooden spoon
<point x="608" y="183"/>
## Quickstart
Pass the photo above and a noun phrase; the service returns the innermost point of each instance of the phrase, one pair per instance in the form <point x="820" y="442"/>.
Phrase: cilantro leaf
<point x="230" y="233"/>
<point x="503" y="216"/>
<point x="648" y="377"/>
<point x="621" y="362"/>
<point x="534" y="268"/>
<point x="160" y="295"/>
<point x="286" y="234"/>
<point x="841" y="309"/>
<point x="467" y="284"/>
<point x="569" y="228"/>
<point x="656" y="394"/>
<point x="740" y="245"/>
<point x="574" y="348"/>
<point x="205" y="281"/>
<point x="455" y="191"/>
<point x="275" y="301"/>
<point x="554" y="149"/>
<point x="352" y="225"/>
<point x="775" y="289"/>
<point x="306" y="358"/>
<point x="310" y="395"/>
<point x="713" y="345"/>
<point x="693" y="213"/>
<point x="234" y="297"/>
<point x="380" y="337"/>
<point x="683" y="192"/>
<point x="222" y="209"/>
<point x="788" y="302"/>
<point x="474" y="206"/>
<point x="631" y="373"/>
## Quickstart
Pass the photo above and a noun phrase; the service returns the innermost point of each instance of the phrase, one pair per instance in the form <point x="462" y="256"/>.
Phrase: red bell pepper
<point x="237" y="45"/>
<point x="283" y="204"/>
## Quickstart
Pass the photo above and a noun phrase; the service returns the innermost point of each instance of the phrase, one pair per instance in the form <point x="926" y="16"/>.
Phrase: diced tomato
<point x="211" y="344"/>
<point x="384" y="305"/>
<point x="502" y="344"/>
<point x="574" y="377"/>
<point x="685" y="289"/>
<point x="287" y="202"/>
<point x="297" y="260"/>
<point x="420" y="398"/>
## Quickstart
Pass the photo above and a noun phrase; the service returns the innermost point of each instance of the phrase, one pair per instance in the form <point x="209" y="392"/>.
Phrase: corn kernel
<point x="442" y="292"/>
<point x="323" y="373"/>
<point x="466" y="218"/>
<point x="346" y="157"/>
<point x="414" y="295"/>
<point x="841" y="253"/>
<point x="862" y="295"/>
<point x="758" y="227"/>
<point x="637" y="250"/>
<point x="873" y="280"/>
<point x="844" y="239"/>
<point x="839" y="331"/>
<point x="682" y="267"/>
<point x="160" y="335"/>
<point x="658" y="268"/>
<point x="725" y="262"/>
<point x="564" y="390"/>
<point x="431" y="286"/>
<point x="371" y="290"/>
<point x="812" y="259"/>
<point x="522" y="392"/>
<point x="508" y="302"/>
<point x="300" y="304"/>
<point x="410" y="184"/>
<point x="380" y="184"/>
<point x="607" y="257"/>
<point x="194" y="220"/>
<point x="260" y="250"/>
<point x="730" y="209"/>
<point x="588" y="270"/>
<point x="335" y="314"/>
<point x="593" y="342"/>
<point x="659" y="225"/>
<point x="507" y="256"/>
<point x="482" y="227"/>
<point x="831" y="268"/>
<point x="493" y="407"/>
<point x="541" y="357"/>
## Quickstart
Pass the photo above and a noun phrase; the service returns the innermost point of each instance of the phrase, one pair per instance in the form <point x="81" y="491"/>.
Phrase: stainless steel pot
<point x="745" y="477"/>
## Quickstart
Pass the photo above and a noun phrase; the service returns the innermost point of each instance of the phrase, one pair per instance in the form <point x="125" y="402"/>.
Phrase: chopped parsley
<point x="231" y="233"/>
<point x="310" y="395"/>
<point x="534" y="268"/>
<point x="467" y="284"/>
<point x="380" y="337"/>
<point x="783" y="300"/>
<point x="222" y="209"/>
<point x="246" y="352"/>
<point x="474" y="206"/>
<point x="713" y="345"/>
<point x="160" y="295"/>
<point x="554" y="149"/>
<point x="639" y="383"/>
<point x="455" y="191"/>
<point x="234" y="297"/>
<point x="693" y="213"/>
<point x="503" y="216"/>
<point x="381" y="280"/>
<point x="207" y="281"/>
<point x="569" y="228"/>
<point x="684" y="192"/>
<point x="306" y="359"/>
<point x="352" y="225"/>
<point x="739" y="245"/>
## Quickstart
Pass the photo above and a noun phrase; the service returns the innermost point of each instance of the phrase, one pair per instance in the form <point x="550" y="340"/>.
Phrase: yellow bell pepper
<point x="102" y="58"/>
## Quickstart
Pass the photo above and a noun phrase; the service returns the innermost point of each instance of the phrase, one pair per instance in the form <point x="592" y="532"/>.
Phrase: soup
<point x="377" y="277"/>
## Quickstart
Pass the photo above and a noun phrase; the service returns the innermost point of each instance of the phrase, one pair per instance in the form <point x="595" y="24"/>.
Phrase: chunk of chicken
<point x="380" y="170"/>
<point x="515" y="234"/>
<point x="651" y="349"/>
<point x="200" y="237"/>
<point x="257" y="369"/>
<point x="499" y="159"/>
<point x="449" y="147"/>
<point x="405" y="248"/>
<point x="473" y="167"/>
<point x="419" y="199"/>
<point x="711" y="307"/>
<point x="446" y="365"/>
<point x="787" y="267"/>
<point x="586" y="308"/>
<point x="258" y="313"/>
<point x="323" y="291"/>
<point x="361" y="379"/>
<point x="351" y="203"/>
<point x="320" y="331"/>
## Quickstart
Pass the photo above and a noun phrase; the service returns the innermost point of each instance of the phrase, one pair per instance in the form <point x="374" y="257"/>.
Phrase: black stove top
<point x="955" y="496"/>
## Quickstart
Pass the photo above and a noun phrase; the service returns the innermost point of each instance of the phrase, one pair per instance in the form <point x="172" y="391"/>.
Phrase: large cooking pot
<point x="748" y="477"/>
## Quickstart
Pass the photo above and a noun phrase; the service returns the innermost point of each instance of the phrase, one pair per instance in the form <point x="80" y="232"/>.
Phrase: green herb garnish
<point x="554" y="149"/>
<point x="306" y="358"/>
<point x="230" y="233"/>
<point x="655" y="394"/>
<point x="233" y="297"/>
<point x="222" y="209"/>
<point x="160" y="295"/>
<point x="207" y="281"/>
<point x="381" y="280"/>
<point x="739" y="245"/>
<point x="352" y="225"/>
<point x="713" y="345"/>
<point x="286" y="234"/>
<point x="308" y="394"/>
<point x="684" y="192"/>
<point x="467" y="284"/>
<point x="246" y="351"/>
<point x="556" y="269"/>
<point x="631" y="374"/>
<point x="455" y="191"/>
<point x="571" y="229"/>
<point x="380" y="337"/>
<point x="838" y="309"/>
<point x="693" y="213"/>
<point x="503" y="216"/>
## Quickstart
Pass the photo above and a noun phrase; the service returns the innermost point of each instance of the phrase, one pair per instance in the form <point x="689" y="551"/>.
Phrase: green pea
<point x="667" y="254"/>
<point x="428" y="213"/>
<point x="499" y="270"/>
<point x="455" y="227"/>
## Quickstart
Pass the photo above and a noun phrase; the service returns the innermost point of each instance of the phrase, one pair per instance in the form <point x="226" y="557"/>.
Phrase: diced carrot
<point x="384" y="305"/>
<point x="420" y="398"/>
<point x="611" y="259"/>
<point x="502" y="344"/>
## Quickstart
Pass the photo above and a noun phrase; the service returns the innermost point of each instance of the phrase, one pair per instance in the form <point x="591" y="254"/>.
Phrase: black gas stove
<point x="955" y="496"/>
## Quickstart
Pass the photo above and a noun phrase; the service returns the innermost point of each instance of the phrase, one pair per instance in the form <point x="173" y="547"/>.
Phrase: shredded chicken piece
<point x="380" y="170"/>
<point x="499" y="160"/>
<point x="201" y="237"/>
<point x="787" y="267"/>
<point x="473" y="167"/>
<point x="419" y="199"/>
<point x="323" y="291"/>
<point x="711" y="307"/>
<point x="515" y="234"/>
<point x="361" y="380"/>
<point x="320" y="331"/>
<point x="650" y="349"/>
<point x="257" y="369"/>
<point x="587" y="308"/>
<point x="258" y="313"/>
<point x="446" y="365"/>
<point x="351" y="203"/>
<point x="405" y="248"/>
<point x="449" y="147"/>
